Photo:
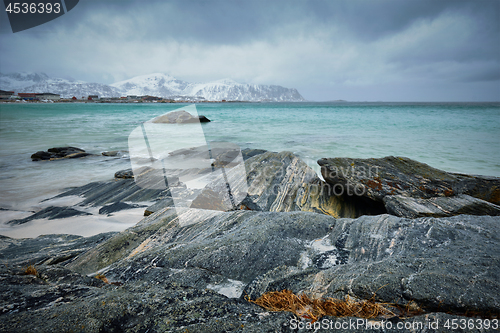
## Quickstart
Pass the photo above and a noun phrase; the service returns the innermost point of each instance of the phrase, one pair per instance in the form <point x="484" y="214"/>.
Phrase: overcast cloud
<point x="375" y="50"/>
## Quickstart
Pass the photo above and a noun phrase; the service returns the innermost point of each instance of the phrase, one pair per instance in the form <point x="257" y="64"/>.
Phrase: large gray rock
<point x="403" y="176"/>
<point x="282" y="182"/>
<point x="389" y="179"/>
<point x="446" y="264"/>
<point x="179" y="117"/>
<point x="170" y="276"/>
<point x="449" y="262"/>
<point x="189" y="269"/>
<point x="59" y="300"/>
<point x="275" y="182"/>
<point x="238" y="245"/>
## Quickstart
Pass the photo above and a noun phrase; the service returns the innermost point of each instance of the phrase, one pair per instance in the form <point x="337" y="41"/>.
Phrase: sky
<point x="354" y="50"/>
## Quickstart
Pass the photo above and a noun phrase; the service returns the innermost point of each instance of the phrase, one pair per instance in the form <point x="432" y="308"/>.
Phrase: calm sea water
<point x="456" y="137"/>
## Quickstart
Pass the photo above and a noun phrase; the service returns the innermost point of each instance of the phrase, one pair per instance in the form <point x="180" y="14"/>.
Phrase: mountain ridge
<point x="155" y="84"/>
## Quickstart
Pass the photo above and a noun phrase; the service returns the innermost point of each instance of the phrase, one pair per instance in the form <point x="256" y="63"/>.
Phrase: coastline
<point x="345" y="179"/>
<point x="206" y="265"/>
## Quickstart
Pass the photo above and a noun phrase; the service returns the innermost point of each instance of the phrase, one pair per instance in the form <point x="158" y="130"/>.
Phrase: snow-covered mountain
<point x="161" y="85"/>
<point x="158" y="84"/>
<point x="16" y="81"/>
<point x="164" y="85"/>
<point x="68" y="89"/>
<point x="233" y="91"/>
<point x="41" y="83"/>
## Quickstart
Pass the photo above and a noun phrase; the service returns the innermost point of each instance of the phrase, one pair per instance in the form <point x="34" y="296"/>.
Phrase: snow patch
<point x="231" y="288"/>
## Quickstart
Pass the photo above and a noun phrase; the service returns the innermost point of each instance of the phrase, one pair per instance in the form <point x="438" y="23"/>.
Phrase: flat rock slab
<point x="376" y="178"/>
<point x="47" y="249"/>
<point x="439" y="206"/>
<point x="51" y="213"/>
<point x="101" y="193"/>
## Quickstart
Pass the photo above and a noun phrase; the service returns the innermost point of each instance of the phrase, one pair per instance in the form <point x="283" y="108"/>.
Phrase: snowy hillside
<point x="16" y="81"/>
<point x="158" y="84"/>
<point x="233" y="91"/>
<point x="166" y="86"/>
<point x="161" y="85"/>
<point x="41" y="83"/>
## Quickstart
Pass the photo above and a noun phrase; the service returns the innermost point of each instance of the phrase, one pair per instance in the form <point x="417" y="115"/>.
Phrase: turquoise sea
<point x="456" y="137"/>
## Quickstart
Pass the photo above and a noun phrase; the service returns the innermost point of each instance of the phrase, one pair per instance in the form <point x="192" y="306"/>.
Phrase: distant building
<point x="28" y="96"/>
<point x="5" y="94"/>
<point x="132" y="97"/>
<point x="49" y="96"/>
<point x="93" y="97"/>
<point x="151" y="98"/>
<point x="74" y="98"/>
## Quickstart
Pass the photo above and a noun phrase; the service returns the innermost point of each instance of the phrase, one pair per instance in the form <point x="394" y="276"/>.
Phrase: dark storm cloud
<point x="327" y="49"/>
<point x="370" y="20"/>
<point x="237" y="20"/>
<point x="218" y="21"/>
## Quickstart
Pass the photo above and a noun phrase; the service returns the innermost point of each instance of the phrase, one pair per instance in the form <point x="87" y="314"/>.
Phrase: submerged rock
<point x="59" y="153"/>
<point x="110" y="153"/>
<point x="159" y="205"/>
<point x="125" y="174"/>
<point x="113" y="153"/>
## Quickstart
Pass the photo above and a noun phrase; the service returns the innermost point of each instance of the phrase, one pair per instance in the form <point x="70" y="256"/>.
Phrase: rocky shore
<point x="391" y="230"/>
